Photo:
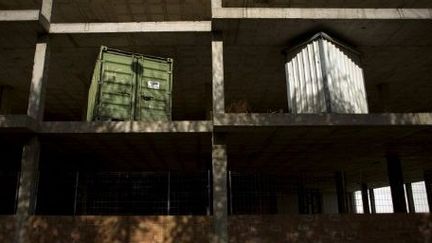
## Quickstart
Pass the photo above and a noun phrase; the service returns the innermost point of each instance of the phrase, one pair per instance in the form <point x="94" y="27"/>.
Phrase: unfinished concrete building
<point x="235" y="164"/>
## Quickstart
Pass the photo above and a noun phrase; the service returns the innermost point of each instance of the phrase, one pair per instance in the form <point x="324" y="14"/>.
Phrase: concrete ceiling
<point x="395" y="53"/>
<point x="130" y="10"/>
<point x="19" y="4"/>
<point x="17" y="45"/>
<point x="359" y="151"/>
<point x="127" y="152"/>
<point x="73" y="59"/>
<point x="328" y="3"/>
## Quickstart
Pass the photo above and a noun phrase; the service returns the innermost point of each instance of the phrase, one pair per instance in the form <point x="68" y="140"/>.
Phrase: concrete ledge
<point x="321" y="13"/>
<point x="174" y="26"/>
<point x="19" y="15"/>
<point x="290" y="120"/>
<point x="127" y="127"/>
<point x="17" y="123"/>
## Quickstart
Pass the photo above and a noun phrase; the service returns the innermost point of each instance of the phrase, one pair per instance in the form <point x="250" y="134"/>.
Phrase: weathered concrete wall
<point x="331" y="228"/>
<point x="95" y="229"/>
<point x="242" y="229"/>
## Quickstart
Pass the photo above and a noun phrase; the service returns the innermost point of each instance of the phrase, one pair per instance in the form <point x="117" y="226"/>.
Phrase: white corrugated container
<point x="324" y="75"/>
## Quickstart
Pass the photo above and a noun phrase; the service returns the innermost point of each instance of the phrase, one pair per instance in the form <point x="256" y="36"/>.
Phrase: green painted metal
<point x="128" y="86"/>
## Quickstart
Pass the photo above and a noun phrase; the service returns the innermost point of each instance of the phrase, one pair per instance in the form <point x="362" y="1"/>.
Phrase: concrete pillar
<point x="5" y="99"/>
<point x="365" y="198"/>
<point x="218" y="74"/>
<point x="216" y="4"/>
<point x="372" y="200"/>
<point x="27" y="188"/>
<point x="45" y="14"/>
<point x="410" y="197"/>
<point x="428" y="184"/>
<point x="220" y="194"/>
<point x="394" y="171"/>
<point x="341" y="192"/>
<point x="36" y="100"/>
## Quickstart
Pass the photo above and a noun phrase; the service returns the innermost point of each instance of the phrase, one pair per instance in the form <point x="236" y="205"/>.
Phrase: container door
<point x="117" y="89"/>
<point x="154" y="89"/>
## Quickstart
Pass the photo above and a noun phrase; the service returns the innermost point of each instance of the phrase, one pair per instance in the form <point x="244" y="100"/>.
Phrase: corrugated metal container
<point x="128" y="86"/>
<point x="324" y="75"/>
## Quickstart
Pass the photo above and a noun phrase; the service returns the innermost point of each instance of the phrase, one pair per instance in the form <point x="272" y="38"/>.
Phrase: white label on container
<point x="153" y="84"/>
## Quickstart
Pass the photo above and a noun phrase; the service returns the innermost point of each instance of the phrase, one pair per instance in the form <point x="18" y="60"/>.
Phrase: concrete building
<point x="234" y="165"/>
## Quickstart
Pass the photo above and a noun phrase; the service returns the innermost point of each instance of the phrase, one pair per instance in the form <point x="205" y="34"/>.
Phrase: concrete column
<point x="36" y="100"/>
<point x="365" y="198"/>
<point x="216" y="4"/>
<point x="428" y="184"/>
<point x="220" y="194"/>
<point x="218" y="74"/>
<point x="27" y="188"/>
<point x="5" y="98"/>
<point x="372" y="200"/>
<point x="410" y="197"/>
<point x="45" y="14"/>
<point x="394" y="171"/>
<point x="341" y="192"/>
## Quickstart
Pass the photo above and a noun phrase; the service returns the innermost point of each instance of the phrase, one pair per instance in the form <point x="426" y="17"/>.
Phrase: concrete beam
<point x="17" y="123"/>
<point x="19" y="15"/>
<point x="39" y="79"/>
<point x="27" y="188"/>
<point x="127" y="127"/>
<point x="218" y="74"/>
<point x="341" y="192"/>
<point x="321" y="13"/>
<point x="395" y="176"/>
<point x="365" y="198"/>
<point x="220" y="194"/>
<point x="286" y="119"/>
<point x="172" y="26"/>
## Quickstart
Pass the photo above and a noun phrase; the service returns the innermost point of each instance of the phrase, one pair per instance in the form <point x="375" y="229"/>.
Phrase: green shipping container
<point x="128" y="86"/>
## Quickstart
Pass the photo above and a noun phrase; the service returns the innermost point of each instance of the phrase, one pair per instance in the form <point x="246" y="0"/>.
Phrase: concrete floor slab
<point x="127" y="152"/>
<point x="328" y="3"/>
<point x="357" y="150"/>
<point x="126" y="127"/>
<point x="20" y="4"/>
<point x="67" y="11"/>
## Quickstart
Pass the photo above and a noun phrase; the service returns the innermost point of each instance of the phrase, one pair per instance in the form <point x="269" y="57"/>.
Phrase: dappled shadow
<point x="121" y="229"/>
<point x="331" y="228"/>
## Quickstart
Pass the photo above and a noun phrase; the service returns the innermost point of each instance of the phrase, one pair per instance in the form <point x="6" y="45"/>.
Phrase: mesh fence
<point x="271" y="194"/>
<point x="125" y="193"/>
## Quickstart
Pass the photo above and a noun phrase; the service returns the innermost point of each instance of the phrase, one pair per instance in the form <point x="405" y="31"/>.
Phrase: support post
<point x="218" y="74"/>
<point x="428" y="184"/>
<point x="341" y="192"/>
<point x="410" y="197"/>
<point x="372" y="200"/>
<point x="365" y="198"/>
<point x="394" y="171"/>
<point x="220" y="202"/>
<point x="45" y="14"/>
<point x="27" y="188"/>
<point x="36" y="100"/>
<point x="216" y="4"/>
